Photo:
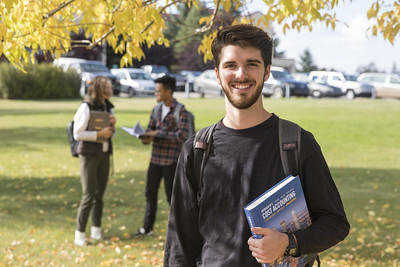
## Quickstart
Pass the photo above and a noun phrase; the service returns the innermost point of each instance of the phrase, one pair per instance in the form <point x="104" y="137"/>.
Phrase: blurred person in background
<point x="94" y="158"/>
<point x="167" y="136"/>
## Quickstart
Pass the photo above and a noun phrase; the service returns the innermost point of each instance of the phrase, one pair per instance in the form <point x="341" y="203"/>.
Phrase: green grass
<point x="40" y="187"/>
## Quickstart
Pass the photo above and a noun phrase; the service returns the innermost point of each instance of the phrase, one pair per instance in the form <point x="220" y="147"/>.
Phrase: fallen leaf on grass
<point x="389" y="250"/>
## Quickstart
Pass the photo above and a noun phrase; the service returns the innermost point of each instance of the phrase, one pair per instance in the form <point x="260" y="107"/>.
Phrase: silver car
<point x="386" y="85"/>
<point x="134" y="81"/>
<point x="347" y="83"/>
<point x="206" y="83"/>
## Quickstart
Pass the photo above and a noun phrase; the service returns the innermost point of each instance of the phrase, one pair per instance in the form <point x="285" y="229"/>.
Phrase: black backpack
<point x="72" y="142"/>
<point x="289" y="147"/>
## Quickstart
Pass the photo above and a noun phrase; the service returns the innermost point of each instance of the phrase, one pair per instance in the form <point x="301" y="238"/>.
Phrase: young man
<point x="167" y="138"/>
<point x="244" y="161"/>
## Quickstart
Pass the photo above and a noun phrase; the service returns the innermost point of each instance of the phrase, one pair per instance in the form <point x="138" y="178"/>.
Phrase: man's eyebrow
<point x="253" y="60"/>
<point x="229" y="62"/>
<point x="249" y="61"/>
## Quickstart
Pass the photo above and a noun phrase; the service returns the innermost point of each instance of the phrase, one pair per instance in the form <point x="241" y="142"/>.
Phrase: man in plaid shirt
<point x="168" y="137"/>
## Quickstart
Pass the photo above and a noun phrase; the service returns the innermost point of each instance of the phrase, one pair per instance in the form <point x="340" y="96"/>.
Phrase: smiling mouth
<point x="241" y="86"/>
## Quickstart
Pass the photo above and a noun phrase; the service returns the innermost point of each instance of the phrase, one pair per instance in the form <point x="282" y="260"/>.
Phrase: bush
<point x="41" y="81"/>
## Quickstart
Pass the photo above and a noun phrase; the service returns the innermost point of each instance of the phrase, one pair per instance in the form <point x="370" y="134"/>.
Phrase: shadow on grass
<point x="371" y="199"/>
<point x="55" y="198"/>
<point x="32" y="138"/>
<point x="50" y="202"/>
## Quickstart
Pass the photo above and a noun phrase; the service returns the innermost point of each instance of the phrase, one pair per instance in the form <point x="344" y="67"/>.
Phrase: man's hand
<point x="269" y="248"/>
<point x="152" y="133"/>
<point x="147" y="139"/>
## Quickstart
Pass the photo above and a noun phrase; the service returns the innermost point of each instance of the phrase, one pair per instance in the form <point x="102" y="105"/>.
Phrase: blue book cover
<point x="283" y="208"/>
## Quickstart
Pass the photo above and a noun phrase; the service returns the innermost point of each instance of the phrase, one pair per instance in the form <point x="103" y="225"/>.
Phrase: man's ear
<point x="267" y="72"/>
<point x="217" y="75"/>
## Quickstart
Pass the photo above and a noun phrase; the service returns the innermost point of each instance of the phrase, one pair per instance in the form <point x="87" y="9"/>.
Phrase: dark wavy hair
<point x="243" y="35"/>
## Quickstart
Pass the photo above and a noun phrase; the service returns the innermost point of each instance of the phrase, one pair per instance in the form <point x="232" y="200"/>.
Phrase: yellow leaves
<point x="289" y="8"/>
<point x="205" y="20"/>
<point x="129" y="24"/>
<point x="47" y="26"/>
<point x="387" y="17"/>
<point x="226" y="4"/>
<point x="390" y="250"/>
<point x="205" y="46"/>
<point x="373" y="11"/>
<point x="9" y="3"/>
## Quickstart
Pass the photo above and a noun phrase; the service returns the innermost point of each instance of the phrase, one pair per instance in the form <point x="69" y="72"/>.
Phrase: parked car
<point x="157" y="71"/>
<point x="206" y="83"/>
<point x="318" y="88"/>
<point x="386" y="85"/>
<point x="190" y="75"/>
<point x="88" y="70"/>
<point x="279" y="79"/>
<point x="347" y="83"/>
<point x="134" y="81"/>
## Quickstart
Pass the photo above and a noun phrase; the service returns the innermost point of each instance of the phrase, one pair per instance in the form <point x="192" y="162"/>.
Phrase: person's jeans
<point x="94" y="176"/>
<point x="154" y="175"/>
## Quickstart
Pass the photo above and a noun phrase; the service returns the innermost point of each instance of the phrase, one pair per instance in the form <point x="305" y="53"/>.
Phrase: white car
<point x="386" y="85"/>
<point x="87" y="70"/>
<point x="134" y="81"/>
<point x="347" y="83"/>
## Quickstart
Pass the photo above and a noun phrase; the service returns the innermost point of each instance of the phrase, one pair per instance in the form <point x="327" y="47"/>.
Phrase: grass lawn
<point x="40" y="187"/>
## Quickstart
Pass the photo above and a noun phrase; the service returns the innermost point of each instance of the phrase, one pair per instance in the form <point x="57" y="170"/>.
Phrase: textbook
<point x="283" y="208"/>
<point x="136" y="131"/>
<point x="97" y="121"/>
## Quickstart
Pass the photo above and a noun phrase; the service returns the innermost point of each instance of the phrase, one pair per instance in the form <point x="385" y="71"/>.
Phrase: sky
<point x="345" y="48"/>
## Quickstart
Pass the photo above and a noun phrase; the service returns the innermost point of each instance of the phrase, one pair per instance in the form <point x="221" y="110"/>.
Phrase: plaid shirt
<point x="168" y="143"/>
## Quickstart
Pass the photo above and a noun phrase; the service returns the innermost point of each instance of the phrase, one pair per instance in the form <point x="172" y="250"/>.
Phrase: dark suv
<point x="278" y="82"/>
<point x="88" y="70"/>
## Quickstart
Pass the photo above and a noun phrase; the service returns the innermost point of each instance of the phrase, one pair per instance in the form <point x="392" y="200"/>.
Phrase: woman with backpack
<point x="94" y="151"/>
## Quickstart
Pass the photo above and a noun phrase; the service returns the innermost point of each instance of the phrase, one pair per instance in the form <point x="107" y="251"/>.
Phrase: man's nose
<point x="241" y="73"/>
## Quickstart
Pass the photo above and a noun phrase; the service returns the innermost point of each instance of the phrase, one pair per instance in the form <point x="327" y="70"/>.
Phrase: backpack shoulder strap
<point x="156" y="109"/>
<point x="289" y="146"/>
<point x="201" y="148"/>
<point x="177" y="110"/>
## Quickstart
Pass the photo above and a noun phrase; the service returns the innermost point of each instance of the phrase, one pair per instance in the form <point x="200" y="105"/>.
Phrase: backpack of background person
<point x="72" y="142"/>
<point x="177" y="110"/>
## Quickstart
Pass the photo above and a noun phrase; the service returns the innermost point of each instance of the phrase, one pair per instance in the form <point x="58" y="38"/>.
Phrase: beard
<point x="245" y="100"/>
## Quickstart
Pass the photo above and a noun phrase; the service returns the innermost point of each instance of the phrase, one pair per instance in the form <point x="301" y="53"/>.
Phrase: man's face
<point x="160" y="92"/>
<point x="241" y="74"/>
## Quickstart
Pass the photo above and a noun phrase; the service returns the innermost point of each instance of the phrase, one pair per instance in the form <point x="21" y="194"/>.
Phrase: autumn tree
<point x="307" y="62"/>
<point x="130" y="25"/>
<point x="371" y="67"/>
<point x="277" y="41"/>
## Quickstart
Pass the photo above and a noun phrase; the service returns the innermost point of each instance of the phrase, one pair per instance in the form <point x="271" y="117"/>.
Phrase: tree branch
<point x="111" y="30"/>
<point x="212" y="21"/>
<point x="51" y="13"/>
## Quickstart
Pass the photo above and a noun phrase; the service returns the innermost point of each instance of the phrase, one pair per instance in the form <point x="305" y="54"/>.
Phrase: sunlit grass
<point x="40" y="187"/>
